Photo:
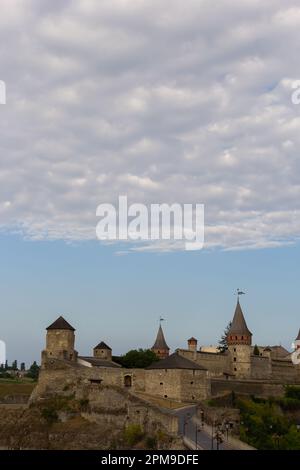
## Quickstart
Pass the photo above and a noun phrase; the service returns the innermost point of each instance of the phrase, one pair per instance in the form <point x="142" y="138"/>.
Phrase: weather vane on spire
<point x="239" y="292"/>
<point x="161" y="319"/>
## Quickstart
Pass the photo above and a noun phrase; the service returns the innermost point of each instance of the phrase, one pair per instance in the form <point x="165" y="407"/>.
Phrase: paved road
<point x="190" y="426"/>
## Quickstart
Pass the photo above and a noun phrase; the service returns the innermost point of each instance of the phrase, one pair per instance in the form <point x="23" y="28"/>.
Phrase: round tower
<point x="239" y="339"/>
<point x="60" y="340"/>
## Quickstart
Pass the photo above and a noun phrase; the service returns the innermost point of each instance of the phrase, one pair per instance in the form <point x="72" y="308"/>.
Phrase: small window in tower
<point x="236" y="337"/>
<point x="234" y="359"/>
<point x="242" y="337"/>
<point x="192" y="383"/>
<point x="161" y="383"/>
<point x="234" y="349"/>
<point x="166" y="396"/>
<point x="235" y="369"/>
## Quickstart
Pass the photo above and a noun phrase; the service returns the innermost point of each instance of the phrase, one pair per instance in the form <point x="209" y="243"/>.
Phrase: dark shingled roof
<point x="192" y="339"/>
<point x="102" y="345"/>
<point x="60" y="324"/>
<point x="298" y="337"/>
<point x="160" y="342"/>
<point x="175" y="361"/>
<point x="239" y="325"/>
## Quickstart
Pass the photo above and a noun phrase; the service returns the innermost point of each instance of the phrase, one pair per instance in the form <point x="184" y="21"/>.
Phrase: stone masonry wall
<point x="216" y="364"/>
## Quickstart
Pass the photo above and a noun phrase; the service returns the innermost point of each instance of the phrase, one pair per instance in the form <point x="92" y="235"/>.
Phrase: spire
<point x="239" y="325"/>
<point x="298" y="337"/>
<point x="160" y="342"/>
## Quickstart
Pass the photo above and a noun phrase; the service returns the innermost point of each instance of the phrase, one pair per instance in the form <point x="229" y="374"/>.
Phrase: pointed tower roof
<point x="102" y="345"/>
<point x="239" y="325"/>
<point x="298" y="337"/>
<point x="160" y="342"/>
<point x="60" y="324"/>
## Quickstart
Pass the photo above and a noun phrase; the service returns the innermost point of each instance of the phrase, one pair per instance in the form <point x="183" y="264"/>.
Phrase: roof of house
<point x="60" y="324"/>
<point x="160" y="342"/>
<point x="175" y="361"/>
<point x="279" y="351"/>
<point x="95" y="362"/>
<point x="239" y="325"/>
<point x="102" y="345"/>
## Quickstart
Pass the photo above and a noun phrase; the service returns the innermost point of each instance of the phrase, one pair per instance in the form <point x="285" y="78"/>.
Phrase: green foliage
<point x="33" y="372"/>
<point x="151" y="442"/>
<point x="84" y="404"/>
<point x="256" y="350"/>
<point x="49" y="414"/>
<point x="223" y="346"/>
<point x="264" y="426"/>
<point x="133" y="434"/>
<point x="140" y="358"/>
<point x="292" y="392"/>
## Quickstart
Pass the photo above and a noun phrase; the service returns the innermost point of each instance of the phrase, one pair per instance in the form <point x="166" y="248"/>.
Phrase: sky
<point x="165" y="102"/>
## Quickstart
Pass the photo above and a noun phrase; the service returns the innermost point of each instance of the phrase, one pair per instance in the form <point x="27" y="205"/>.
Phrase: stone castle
<point x="188" y="375"/>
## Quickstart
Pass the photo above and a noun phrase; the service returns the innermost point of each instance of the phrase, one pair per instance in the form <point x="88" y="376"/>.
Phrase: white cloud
<point x="163" y="101"/>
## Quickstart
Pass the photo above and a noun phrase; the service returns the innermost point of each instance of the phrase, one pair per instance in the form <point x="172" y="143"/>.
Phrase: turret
<point x="102" y="351"/>
<point x="239" y="339"/>
<point x="160" y="347"/>
<point x="192" y="344"/>
<point x="60" y="341"/>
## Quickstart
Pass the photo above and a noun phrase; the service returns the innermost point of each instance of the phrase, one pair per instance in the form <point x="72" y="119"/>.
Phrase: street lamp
<point x="185" y="422"/>
<point x="196" y="436"/>
<point x="202" y="417"/>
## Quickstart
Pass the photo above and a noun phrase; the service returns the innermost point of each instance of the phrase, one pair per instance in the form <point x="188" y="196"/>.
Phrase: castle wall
<point x="246" y="387"/>
<point x="285" y="371"/>
<point x="177" y="384"/>
<point x="260" y="367"/>
<point x="56" y="375"/>
<point x="216" y="364"/>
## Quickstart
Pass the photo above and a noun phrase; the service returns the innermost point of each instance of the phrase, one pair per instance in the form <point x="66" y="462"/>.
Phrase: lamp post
<point x="185" y="422"/>
<point x="202" y="417"/>
<point x="196" y="436"/>
<point x="212" y="435"/>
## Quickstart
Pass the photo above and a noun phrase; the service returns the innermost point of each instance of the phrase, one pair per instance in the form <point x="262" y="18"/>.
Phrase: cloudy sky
<point x="161" y="100"/>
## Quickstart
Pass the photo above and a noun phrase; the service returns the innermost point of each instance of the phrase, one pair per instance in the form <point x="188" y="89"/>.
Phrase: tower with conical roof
<point x="160" y="347"/>
<point x="239" y="339"/>
<point x="60" y="341"/>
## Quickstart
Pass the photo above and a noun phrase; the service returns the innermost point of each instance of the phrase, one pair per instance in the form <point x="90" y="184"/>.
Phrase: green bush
<point x="292" y="392"/>
<point x="50" y="415"/>
<point x="84" y="404"/>
<point x="151" y="442"/>
<point x="133" y="434"/>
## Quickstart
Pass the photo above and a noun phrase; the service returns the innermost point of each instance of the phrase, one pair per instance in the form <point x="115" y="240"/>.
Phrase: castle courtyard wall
<point x="215" y="363"/>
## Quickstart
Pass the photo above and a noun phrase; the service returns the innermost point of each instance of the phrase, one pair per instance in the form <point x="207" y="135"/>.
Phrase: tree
<point x="256" y="350"/>
<point x="33" y="372"/>
<point x="22" y="367"/>
<point x="139" y="358"/>
<point x="14" y="365"/>
<point x="223" y="346"/>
